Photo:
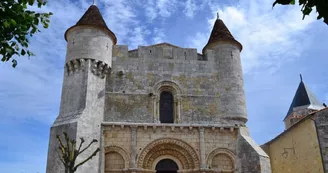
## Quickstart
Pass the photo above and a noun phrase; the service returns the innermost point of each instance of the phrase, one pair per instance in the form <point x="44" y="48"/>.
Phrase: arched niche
<point x="221" y="159"/>
<point x="116" y="159"/>
<point x="167" y="87"/>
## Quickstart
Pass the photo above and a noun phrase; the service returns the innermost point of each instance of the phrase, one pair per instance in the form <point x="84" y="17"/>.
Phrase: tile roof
<point x="93" y="17"/>
<point x="304" y="97"/>
<point x="220" y="33"/>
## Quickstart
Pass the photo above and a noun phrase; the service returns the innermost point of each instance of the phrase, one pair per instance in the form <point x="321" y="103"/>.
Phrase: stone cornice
<point x="170" y="126"/>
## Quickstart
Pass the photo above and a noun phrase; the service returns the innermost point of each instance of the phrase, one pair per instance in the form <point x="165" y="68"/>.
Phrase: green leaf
<point x="14" y="63"/>
<point x="9" y="50"/>
<point x="6" y="24"/>
<point x="307" y="10"/>
<point x="13" y="22"/>
<point x="30" y="2"/>
<point x="23" y="52"/>
<point x="292" y="2"/>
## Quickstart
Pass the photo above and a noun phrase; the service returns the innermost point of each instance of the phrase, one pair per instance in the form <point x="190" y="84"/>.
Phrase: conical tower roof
<point x="93" y="17"/>
<point x="220" y="33"/>
<point x="304" y="97"/>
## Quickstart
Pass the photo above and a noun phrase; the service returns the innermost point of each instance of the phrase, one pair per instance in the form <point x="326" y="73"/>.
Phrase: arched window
<point x="166" y="107"/>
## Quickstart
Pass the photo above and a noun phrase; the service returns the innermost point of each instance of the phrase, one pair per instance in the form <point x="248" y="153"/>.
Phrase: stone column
<point x="155" y="109"/>
<point x="133" y="146"/>
<point x="175" y="110"/>
<point x="179" y="110"/>
<point x="202" y="148"/>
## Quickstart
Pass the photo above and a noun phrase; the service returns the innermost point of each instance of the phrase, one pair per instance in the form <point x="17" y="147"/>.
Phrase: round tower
<point x="90" y="38"/>
<point x="88" y="62"/>
<point x="226" y="52"/>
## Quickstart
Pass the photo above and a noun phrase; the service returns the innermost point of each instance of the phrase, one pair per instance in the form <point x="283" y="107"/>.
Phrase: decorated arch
<point x="168" y="148"/>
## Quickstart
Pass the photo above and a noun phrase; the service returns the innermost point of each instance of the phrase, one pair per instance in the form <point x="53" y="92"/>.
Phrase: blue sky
<point x="278" y="46"/>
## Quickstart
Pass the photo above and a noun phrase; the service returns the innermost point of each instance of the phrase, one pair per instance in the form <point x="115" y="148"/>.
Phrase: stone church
<point x="159" y="108"/>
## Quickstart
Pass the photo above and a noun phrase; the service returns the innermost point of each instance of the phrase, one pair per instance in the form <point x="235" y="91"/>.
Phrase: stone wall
<point x="175" y="139"/>
<point x="205" y="94"/>
<point x="297" y="149"/>
<point x="321" y="119"/>
<point x="251" y="158"/>
<point x="53" y="163"/>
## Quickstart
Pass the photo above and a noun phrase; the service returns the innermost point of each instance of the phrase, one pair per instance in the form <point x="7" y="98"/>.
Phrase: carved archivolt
<point x="176" y="92"/>
<point x="120" y="151"/>
<point x="221" y="151"/>
<point x="168" y="148"/>
<point x="167" y="86"/>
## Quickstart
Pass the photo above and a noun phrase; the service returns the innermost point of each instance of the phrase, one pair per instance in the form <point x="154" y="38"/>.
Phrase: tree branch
<point x="82" y="141"/>
<point x="90" y="157"/>
<point x="93" y="141"/>
<point x="60" y="157"/>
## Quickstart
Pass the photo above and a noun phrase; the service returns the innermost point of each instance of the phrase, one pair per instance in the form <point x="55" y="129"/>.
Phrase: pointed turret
<point x="224" y="50"/>
<point x="304" y="102"/>
<point x="87" y="66"/>
<point x="92" y="17"/>
<point x="221" y="34"/>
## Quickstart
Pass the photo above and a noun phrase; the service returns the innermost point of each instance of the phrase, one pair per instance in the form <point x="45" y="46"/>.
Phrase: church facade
<point x="158" y="108"/>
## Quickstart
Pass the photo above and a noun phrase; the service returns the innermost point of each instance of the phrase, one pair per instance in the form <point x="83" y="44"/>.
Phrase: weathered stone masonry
<point x="114" y="95"/>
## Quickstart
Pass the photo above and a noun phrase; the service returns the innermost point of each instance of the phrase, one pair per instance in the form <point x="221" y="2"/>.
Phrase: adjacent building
<point x="302" y="147"/>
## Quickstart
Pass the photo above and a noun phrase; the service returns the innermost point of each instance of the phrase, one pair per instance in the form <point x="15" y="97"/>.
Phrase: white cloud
<point x="138" y="37"/>
<point x="159" y="36"/>
<point x="158" y="8"/>
<point x="267" y="35"/>
<point x="120" y="18"/>
<point x="166" y="7"/>
<point x="190" y="8"/>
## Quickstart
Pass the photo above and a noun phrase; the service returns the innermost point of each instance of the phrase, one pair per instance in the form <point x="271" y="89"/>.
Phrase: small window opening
<point x="166" y="107"/>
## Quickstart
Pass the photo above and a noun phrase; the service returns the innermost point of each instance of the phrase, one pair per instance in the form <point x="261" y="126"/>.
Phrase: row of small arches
<point x="114" y="161"/>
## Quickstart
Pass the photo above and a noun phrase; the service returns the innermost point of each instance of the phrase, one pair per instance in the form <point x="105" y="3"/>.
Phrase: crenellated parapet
<point x="97" y="67"/>
<point x="159" y="51"/>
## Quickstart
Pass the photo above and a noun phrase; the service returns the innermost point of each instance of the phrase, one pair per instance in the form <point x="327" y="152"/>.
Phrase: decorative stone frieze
<point x="172" y="127"/>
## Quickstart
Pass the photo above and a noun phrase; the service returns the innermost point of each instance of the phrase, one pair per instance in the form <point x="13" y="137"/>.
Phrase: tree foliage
<point x="308" y="5"/>
<point x="17" y="25"/>
<point x="68" y="152"/>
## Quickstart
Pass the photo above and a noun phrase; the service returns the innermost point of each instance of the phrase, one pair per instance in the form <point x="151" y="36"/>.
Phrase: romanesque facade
<point x="158" y="108"/>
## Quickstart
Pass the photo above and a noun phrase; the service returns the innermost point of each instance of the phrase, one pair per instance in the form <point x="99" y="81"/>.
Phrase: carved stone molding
<point x="170" y="147"/>
<point x="173" y="88"/>
<point x="98" y="68"/>
<point x="74" y="66"/>
<point x="119" y="150"/>
<point x="167" y="86"/>
<point x="224" y="151"/>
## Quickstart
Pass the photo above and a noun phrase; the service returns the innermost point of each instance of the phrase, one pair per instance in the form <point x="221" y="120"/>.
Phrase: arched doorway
<point x="166" y="166"/>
